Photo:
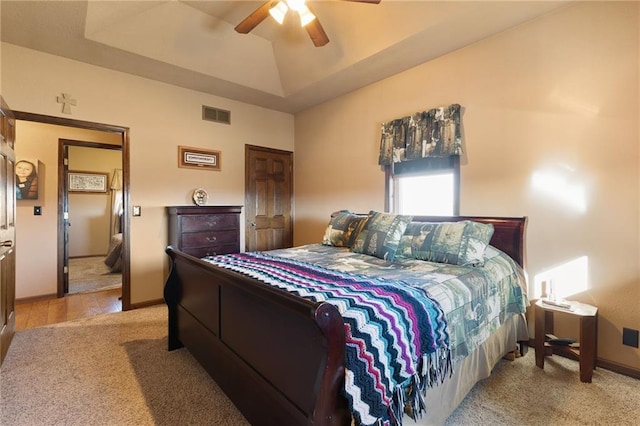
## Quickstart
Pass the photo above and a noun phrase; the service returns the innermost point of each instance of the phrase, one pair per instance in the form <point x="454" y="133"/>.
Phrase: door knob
<point x="7" y="243"/>
<point x="253" y="224"/>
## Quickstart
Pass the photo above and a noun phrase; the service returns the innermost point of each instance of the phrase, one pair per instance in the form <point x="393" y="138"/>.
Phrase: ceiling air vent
<point x="216" y="115"/>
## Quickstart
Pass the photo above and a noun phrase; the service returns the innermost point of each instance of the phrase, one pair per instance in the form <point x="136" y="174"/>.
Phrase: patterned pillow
<point x="343" y="229"/>
<point x="381" y="235"/>
<point x="457" y="243"/>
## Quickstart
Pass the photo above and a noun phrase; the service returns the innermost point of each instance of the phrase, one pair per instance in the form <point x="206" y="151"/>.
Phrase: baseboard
<point x="146" y="304"/>
<point x="32" y="299"/>
<point x="618" y="368"/>
<point x="608" y="365"/>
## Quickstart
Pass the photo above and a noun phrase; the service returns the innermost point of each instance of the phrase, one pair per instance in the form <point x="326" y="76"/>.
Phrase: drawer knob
<point x="210" y="239"/>
<point x="213" y="223"/>
<point x="212" y="254"/>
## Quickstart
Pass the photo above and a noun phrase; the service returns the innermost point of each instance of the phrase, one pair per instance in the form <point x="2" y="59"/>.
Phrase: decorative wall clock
<point x="200" y="197"/>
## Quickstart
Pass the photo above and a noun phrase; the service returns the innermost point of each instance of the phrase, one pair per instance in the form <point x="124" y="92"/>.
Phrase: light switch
<point x="137" y="211"/>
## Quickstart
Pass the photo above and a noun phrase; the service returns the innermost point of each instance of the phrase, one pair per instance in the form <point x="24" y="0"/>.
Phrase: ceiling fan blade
<point x="252" y="21"/>
<point x="316" y="32"/>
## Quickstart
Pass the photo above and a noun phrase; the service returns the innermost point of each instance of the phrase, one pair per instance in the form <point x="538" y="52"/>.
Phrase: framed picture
<point x="87" y="182"/>
<point x="198" y="158"/>
<point x="26" y="179"/>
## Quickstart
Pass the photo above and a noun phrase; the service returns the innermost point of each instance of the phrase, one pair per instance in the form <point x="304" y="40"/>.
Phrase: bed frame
<point x="278" y="357"/>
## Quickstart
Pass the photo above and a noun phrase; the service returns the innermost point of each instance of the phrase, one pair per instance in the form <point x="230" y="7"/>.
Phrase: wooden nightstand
<point x="584" y="352"/>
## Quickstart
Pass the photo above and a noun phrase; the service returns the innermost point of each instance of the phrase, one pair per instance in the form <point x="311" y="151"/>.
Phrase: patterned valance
<point x="433" y="133"/>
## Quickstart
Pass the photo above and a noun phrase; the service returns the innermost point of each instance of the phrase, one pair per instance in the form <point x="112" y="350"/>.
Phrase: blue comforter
<point x="404" y="320"/>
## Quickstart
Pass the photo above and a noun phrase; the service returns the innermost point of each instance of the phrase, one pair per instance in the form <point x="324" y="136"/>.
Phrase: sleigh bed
<point x="285" y="358"/>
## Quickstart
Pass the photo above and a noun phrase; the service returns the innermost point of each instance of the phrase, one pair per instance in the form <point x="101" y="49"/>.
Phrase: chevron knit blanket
<point x="397" y="343"/>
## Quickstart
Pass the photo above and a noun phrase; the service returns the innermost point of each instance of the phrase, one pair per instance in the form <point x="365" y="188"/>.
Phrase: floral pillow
<point x="343" y="228"/>
<point x="381" y="235"/>
<point x="457" y="243"/>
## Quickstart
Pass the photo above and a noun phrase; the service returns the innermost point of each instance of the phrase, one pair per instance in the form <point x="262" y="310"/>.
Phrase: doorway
<point x="92" y="199"/>
<point x="122" y="133"/>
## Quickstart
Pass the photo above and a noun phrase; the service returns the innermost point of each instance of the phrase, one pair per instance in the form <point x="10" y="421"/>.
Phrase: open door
<point x="7" y="229"/>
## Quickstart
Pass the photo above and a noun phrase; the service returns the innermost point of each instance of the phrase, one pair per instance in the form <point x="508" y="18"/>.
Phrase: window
<point x="428" y="194"/>
<point x="425" y="187"/>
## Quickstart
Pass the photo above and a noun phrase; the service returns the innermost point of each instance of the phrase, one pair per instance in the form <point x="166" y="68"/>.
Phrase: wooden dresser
<point x="205" y="230"/>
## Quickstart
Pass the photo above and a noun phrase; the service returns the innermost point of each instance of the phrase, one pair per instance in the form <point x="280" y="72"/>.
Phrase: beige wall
<point x="90" y="213"/>
<point x="160" y="118"/>
<point x="557" y="98"/>
<point x="36" y="236"/>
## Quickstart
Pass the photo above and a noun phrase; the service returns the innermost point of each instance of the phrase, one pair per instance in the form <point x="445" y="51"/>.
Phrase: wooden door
<point x="7" y="229"/>
<point x="268" y="198"/>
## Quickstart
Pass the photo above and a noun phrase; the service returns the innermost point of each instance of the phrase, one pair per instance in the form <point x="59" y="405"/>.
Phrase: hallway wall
<point x="90" y="213"/>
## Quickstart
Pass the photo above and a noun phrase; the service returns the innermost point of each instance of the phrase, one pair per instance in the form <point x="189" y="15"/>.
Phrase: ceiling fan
<point x="279" y="8"/>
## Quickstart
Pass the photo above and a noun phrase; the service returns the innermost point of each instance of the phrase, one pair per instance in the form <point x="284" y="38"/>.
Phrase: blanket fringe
<point x="397" y="406"/>
<point x="417" y="405"/>
<point x="433" y="370"/>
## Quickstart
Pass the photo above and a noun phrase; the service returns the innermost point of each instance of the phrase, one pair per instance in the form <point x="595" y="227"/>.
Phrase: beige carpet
<point x="115" y="370"/>
<point x="519" y="393"/>
<point x="87" y="274"/>
<point x="110" y="369"/>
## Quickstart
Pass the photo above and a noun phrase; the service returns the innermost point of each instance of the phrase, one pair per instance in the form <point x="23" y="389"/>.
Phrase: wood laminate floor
<point x="75" y="306"/>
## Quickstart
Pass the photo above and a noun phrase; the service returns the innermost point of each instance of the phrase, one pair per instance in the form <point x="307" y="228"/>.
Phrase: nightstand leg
<point x="588" y="335"/>
<point x="539" y="339"/>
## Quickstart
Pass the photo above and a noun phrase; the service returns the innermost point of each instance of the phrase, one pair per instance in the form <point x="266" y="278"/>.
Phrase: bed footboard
<point x="278" y="357"/>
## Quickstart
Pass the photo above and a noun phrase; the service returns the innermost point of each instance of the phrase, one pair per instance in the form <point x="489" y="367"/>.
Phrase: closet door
<point x="268" y="198"/>
<point x="7" y="229"/>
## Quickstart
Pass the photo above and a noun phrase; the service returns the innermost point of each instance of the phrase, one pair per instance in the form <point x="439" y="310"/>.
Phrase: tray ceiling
<point x="193" y="44"/>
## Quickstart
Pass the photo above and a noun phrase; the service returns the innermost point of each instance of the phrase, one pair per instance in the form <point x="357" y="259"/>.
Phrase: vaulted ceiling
<point x="193" y="44"/>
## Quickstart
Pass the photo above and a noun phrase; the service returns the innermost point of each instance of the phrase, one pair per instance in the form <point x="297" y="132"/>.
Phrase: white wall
<point x="160" y="118"/>
<point x="556" y="97"/>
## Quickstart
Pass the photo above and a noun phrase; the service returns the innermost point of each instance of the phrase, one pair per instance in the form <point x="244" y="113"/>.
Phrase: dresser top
<point x="182" y="210"/>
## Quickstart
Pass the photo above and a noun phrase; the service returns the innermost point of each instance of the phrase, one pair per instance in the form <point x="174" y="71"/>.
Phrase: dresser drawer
<point x="196" y="223"/>
<point x="205" y="239"/>
<point x="205" y="230"/>
<point x="214" y="250"/>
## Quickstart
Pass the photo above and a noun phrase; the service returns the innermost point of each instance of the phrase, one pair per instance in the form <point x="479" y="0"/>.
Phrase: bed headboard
<point x="508" y="235"/>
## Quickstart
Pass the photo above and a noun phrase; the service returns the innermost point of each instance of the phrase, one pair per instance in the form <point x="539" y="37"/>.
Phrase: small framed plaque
<point x="87" y="182"/>
<point x="198" y="158"/>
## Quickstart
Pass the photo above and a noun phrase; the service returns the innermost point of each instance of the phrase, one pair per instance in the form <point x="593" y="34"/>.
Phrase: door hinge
<point x="66" y="161"/>
<point x="65" y="270"/>
<point x="65" y="215"/>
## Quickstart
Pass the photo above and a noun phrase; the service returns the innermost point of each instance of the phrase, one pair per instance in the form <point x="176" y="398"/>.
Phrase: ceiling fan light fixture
<point x="297" y="5"/>
<point x="305" y="15"/>
<point x="279" y="11"/>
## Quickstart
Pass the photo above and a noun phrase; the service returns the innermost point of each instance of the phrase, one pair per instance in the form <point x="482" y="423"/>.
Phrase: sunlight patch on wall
<point x="573" y="104"/>
<point x="561" y="185"/>
<point x="567" y="279"/>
